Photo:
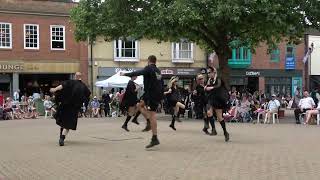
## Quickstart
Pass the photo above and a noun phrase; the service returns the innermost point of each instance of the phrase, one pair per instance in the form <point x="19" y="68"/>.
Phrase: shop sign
<point x="32" y="67"/>
<point x="203" y="71"/>
<point x="116" y="70"/>
<point x="252" y="73"/>
<point x="11" y="67"/>
<point x="167" y="72"/>
<point x="187" y="71"/>
<point x="109" y="71"/>
<point x="290" y="63"/>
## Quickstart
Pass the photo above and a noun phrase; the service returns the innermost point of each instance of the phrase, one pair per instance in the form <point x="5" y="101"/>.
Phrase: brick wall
<point x="261" y="60"/>
<point x="74" y="51"/>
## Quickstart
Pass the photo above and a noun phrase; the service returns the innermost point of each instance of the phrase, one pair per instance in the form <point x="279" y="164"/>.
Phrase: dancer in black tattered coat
<point x="217" y="100"/>
<point x="71" y="95"/>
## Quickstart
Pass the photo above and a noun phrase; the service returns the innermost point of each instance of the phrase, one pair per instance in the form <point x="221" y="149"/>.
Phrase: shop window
<point x="57" y="37"/>
<point x="5" y="35"/>
<point x="290" y="50"/>
<point x="237" y="53"/>
<point x="5" y="87"/>
<point x="31" y="36"/>
<point x="275" y="85"/>
<point x="242" y="53"/>
<point x="182" y="52"/>
<point x="126" y="50"/>
<point x="275" y="55"/>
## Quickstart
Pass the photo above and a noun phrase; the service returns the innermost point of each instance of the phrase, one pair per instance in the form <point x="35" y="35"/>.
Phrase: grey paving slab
<point x="100" y="149"/>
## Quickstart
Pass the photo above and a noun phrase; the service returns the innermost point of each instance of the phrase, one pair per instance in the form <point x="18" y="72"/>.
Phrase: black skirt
<point x="218" y="98"/>
<point x="67" y="116"/>
<point x="172" y="102"/>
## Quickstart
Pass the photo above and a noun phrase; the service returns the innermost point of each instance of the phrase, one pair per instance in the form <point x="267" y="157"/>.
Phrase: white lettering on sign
<point x="252" y="73"/>
<point x="124" y="69"/>
<point x="185" y="71"/>
<point x="167" y="71"/>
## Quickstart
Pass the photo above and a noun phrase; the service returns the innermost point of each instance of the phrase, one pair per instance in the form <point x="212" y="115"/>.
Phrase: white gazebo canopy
<point x="117" y="81"/>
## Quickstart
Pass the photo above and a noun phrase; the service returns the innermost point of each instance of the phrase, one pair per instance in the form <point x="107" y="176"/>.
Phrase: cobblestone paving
<point x="100" y="150"/>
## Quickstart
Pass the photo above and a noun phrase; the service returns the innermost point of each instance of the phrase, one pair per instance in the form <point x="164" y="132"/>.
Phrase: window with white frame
<point x="182" y="52"/>
<point x="57" y="37"/>
<point x="126" y="50"/>
<point x="31" y="36"/>
<point x="5" y="35"/>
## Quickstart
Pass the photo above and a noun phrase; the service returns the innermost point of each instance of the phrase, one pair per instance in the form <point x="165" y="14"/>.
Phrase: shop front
<point x="270" y="81"/>
<point x="186" y="75"/>
<point x="32" y="77"/>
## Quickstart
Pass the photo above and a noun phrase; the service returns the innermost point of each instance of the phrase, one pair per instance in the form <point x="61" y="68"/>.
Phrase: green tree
<point x="218" y="25"/>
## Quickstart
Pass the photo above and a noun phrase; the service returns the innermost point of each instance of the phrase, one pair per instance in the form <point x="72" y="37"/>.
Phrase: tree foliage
<point x="213" y="24"/>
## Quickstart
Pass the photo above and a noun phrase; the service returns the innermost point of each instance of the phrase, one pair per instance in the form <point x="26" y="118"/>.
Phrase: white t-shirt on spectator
<point x="306" y="103"/>
<point x="274" y="104"/>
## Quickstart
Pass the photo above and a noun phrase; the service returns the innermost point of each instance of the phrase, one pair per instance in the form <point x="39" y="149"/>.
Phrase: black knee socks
<point x="136" y="116"/>
<point x="61" y="129"/>
<point x="223" y="125"/>
<point x="206" y="123"/>
<point x="173" y="120"/>
<point x="127" y="120"/>
<point x="211" y="120"/>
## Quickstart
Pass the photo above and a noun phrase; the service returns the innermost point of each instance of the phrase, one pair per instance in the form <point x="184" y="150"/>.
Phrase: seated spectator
<point x="48" y="105"/>
<point x="305" y="104"/>
<point x="32" y="113"/>
<point x="24" y="103"/>
<point x="17" y="111"/>
<point x="83" y="110"/>
<point x="243" y="109"/>
<point x="273" y="107"/>
<point x="234" y="102"/>
<point x="7" y="108"/>
<point x="262" y="108"/>
<point x="310" y="113"/>
<point x="1" y="99"/>
<point x="95" y="106"/>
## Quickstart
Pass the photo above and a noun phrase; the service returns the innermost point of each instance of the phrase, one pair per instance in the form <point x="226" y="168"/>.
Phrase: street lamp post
<point x="310" y="50"/>
<point x="91" y="58"/>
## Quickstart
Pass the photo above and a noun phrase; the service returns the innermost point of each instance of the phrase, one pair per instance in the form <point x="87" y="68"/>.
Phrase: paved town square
<point x="100" y="149"/>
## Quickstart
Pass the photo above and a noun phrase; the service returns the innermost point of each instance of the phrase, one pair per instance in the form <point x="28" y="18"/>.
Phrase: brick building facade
<point x="37" y="46"/>
<point x="278" y="72"/>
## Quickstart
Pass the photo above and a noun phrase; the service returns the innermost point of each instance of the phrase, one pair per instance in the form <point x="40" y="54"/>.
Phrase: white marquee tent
<point x="117" y="81"/>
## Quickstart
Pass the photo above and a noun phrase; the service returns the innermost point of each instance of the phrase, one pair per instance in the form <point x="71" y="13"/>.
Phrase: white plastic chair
<point x="46" y="112"/>
<point x="274" y="116"/>
<point x="260" y="114"/>
<point x="318" y="119"/>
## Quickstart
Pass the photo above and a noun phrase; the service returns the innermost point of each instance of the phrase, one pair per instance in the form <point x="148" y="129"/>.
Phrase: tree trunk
<point x="224" y="70"/>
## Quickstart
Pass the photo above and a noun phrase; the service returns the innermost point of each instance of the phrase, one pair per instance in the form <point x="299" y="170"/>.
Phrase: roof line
<point x="34" y="13"/>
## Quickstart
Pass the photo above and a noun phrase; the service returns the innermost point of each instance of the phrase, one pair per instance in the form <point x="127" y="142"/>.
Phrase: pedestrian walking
<point x="106" y="100"/>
